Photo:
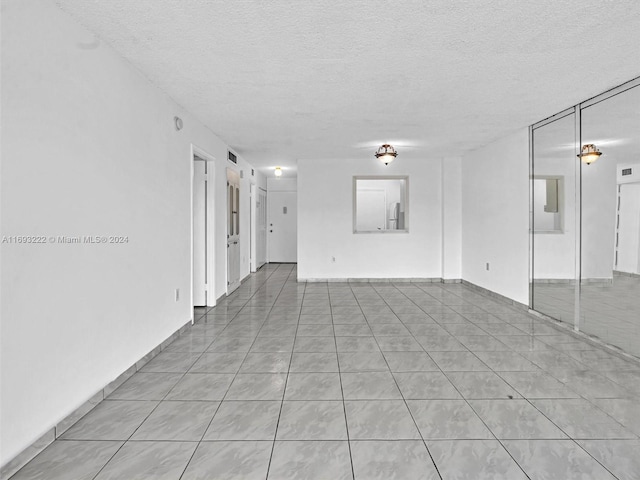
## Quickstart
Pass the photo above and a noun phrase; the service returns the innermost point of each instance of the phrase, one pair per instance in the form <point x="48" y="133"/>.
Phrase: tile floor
<point x="286" y="380"/>
<point x="609" y="311"/>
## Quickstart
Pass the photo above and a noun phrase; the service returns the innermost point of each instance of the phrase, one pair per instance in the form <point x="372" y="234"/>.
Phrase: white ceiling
<point x="282" y="80"/>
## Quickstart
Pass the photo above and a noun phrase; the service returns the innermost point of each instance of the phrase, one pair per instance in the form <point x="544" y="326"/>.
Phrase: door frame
<point x="230" y="172"/>
<point x="253" y="190"/>
<point x="210" y="220"/>
<point x="262" y="192"/>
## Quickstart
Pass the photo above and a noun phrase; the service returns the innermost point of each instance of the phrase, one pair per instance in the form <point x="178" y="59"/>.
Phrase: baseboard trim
<point x="626" y="274"/>
<point x="29" y="453"/>
<point x="11" y="467"/>
<point x="557" y="324"/>
<point x="571" y="281"/>
<point x="371" y="280"/>
<point x="497" y="296"/>
<point x="590" y="339"/>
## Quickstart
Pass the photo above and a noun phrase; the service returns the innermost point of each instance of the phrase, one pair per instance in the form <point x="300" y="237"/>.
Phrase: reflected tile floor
<point x="609" y="311"/>
<point x="287" y="380"/>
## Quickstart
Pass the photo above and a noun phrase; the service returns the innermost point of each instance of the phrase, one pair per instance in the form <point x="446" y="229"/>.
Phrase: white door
<point x="233" y="230"/>
<point x="628" y="233"/>
<point x="261" y="228"/>
<point x="283" y="227"/>
<point x="199" y="233"/>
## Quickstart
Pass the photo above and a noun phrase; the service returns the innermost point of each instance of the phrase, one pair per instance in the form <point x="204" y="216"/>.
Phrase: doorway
<point x="233" y="230"/>
<point x="202" y="207"/>
<point x="283" y="227"/>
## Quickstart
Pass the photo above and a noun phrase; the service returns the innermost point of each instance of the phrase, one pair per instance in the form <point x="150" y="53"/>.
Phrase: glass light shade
<point x="278" y="172"/>
<point x="386" y="154"/>
<point x="386" y="159"/>
<point x="589" y="154"/>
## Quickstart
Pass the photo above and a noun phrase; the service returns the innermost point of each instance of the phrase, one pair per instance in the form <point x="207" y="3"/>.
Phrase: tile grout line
<point x="236" y="374"/>
<point x="286" y="380"/>
<point x="344" y="405"/>
<point x="474" y="411"/>
<point x="156" y="407"/>
<point x="462" y="397"/>
<point x="389" y="294"/>
<point x="435" y="466"/>
<point x="528" y="400"/>
<point x="569" y="437"/>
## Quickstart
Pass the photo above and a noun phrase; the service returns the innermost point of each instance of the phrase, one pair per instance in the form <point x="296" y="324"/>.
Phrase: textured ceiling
<point x="613" y="125"/>
<point x="282" y="80"/>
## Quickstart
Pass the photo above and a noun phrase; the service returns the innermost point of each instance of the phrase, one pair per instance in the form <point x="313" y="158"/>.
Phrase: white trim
<point x="354" y="208"/>
<point x="211" y="240"/>
<point x="253" y="192"/>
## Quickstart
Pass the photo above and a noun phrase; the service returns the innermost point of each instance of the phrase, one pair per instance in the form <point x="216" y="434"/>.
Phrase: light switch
<point x="284" y="210"/>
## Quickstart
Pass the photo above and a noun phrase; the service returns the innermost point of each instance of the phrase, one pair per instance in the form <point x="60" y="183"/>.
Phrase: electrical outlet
<point x="487" y="266"/>
<point x="177" y="294"/>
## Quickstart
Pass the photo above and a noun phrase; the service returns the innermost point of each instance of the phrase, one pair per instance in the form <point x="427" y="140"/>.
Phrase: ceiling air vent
<point x="233" y="158"/>
<point x="626" y="171"/>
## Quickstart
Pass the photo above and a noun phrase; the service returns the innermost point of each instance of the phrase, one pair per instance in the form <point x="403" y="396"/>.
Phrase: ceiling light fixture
<point x="386" y="154"/>
<point x="278" y="172"/>
<point x="589" y="154"/>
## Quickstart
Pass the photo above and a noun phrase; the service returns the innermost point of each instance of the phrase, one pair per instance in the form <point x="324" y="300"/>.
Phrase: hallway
<point x="287" y="380"/>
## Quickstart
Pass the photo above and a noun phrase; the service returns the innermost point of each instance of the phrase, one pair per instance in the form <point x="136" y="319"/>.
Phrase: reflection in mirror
<point x="548" y="195"/>
<point x="553" y="190"/>
<point x="610" y="283"/>
<point x="380" y="204"/>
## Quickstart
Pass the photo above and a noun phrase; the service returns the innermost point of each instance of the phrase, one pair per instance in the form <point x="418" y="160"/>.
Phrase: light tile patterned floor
<point x="286" y="380"/>
<point x="608" y="311"/>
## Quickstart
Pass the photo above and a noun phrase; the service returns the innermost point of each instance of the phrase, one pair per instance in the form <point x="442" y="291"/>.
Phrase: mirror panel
<point x="553" y="218"/>
<point x="610" y="280"/>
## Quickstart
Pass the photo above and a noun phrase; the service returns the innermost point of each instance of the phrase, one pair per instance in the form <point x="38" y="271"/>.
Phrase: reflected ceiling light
<point x="278" y="172"/>
<point x="589" y="154"/>
<point x="386" y="154"/>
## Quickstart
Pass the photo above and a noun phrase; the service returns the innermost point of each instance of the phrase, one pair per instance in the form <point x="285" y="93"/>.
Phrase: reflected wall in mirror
<point x="380" y="204"/>
<point x="548" y="195"/>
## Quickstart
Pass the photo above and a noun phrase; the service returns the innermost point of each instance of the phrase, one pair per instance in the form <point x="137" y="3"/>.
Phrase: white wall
<point x="452" y="218"/>
<point x="275" y="184"/>
<point x="495" y="222"/>
<point x="88" y="148"/>
<point x="325" y="222"/>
